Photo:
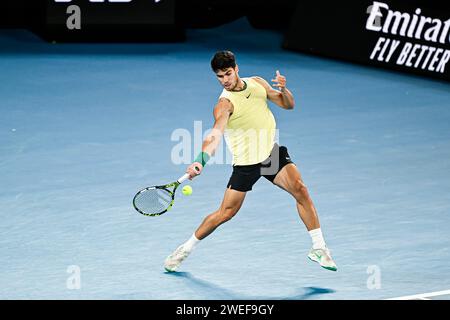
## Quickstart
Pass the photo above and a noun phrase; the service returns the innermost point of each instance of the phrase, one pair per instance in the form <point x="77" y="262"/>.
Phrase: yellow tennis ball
<point x="187" y="190"/>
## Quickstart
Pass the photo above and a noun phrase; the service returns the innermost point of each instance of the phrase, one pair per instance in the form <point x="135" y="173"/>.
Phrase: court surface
<point x="84" y="126"/>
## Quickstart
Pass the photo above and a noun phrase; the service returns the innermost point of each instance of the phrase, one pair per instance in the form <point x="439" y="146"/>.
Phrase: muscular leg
<point x="289" y="179"/>
<point x="232" y="202"/>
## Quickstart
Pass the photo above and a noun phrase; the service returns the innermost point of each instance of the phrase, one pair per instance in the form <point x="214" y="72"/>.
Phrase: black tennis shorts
<point x="244" y="177"/>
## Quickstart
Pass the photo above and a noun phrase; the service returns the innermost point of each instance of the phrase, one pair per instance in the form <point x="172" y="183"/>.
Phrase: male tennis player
<point x="243" y="116"/>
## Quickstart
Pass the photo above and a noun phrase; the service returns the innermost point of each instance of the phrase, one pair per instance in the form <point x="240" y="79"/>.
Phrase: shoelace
<point x="326" y="251"/>
<point x="181" y="252"/>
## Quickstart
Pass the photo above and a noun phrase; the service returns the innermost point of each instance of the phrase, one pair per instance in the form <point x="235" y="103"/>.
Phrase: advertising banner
<point x="410" y="36"/>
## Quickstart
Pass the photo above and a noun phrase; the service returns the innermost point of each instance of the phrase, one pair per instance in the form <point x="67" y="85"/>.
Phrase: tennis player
<point x="244" y="118"/>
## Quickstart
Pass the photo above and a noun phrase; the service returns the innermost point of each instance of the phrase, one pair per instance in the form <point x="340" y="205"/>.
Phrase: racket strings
<point x="153" y="200"/>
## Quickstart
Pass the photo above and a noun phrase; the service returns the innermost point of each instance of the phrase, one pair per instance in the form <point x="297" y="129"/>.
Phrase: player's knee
<point x="300" y="190"/>
<point x="228" y="213"/>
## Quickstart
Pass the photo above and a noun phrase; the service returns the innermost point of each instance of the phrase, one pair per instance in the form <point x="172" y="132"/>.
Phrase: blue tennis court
<point x="85" y="126"/>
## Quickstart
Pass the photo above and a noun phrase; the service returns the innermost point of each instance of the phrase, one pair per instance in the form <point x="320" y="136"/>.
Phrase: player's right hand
<point x="194" y="170"/>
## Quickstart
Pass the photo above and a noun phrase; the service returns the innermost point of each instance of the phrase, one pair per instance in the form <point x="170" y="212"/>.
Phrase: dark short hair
<point x="223" y="60"/>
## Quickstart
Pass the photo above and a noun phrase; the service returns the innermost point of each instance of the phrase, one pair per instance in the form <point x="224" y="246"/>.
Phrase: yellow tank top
<point x="250" y="131"/>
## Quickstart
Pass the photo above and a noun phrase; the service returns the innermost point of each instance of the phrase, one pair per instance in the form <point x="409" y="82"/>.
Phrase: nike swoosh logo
<point x="248" y="96"/>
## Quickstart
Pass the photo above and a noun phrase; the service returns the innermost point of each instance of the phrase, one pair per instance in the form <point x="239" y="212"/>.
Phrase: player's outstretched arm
<point x="222" y="112"/>
<point x="281" y="97"/>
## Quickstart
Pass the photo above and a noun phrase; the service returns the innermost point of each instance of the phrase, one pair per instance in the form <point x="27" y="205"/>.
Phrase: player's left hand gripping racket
<point x="156" y="200"/>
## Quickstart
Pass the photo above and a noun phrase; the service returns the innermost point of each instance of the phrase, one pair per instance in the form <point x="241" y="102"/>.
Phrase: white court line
<point x="423" y="296"/>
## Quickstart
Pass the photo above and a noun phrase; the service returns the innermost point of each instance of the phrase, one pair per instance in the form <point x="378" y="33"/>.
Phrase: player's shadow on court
<point x="214" y="291"/>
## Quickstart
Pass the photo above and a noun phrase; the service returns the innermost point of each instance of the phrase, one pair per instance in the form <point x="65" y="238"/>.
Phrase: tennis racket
<point x="156" y="200"/>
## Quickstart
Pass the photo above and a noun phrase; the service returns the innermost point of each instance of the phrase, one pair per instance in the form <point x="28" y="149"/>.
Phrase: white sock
<point x="191" y="243"/>
<point x="317" y="238"/>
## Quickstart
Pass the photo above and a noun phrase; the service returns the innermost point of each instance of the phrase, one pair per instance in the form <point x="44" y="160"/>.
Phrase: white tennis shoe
<point x="323" y="257"/>
<point x="175" y="259"/>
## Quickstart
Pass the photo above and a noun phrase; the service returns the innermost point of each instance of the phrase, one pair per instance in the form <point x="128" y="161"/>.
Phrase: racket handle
<point x="183" y="178"/>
